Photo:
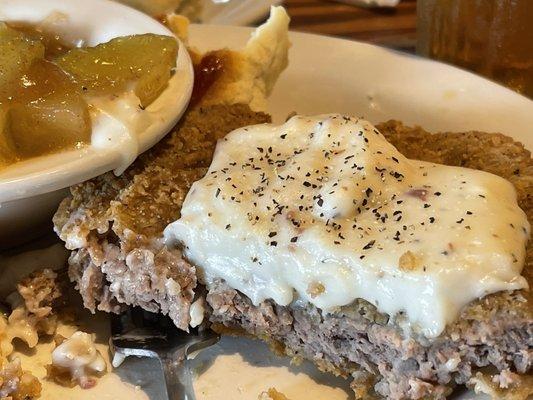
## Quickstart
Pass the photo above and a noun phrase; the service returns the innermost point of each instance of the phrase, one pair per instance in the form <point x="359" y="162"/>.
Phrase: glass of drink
<point x="491" y="37"/>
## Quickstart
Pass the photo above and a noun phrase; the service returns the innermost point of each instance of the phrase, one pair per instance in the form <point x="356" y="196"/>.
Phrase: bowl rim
<point x="62" y="169"/>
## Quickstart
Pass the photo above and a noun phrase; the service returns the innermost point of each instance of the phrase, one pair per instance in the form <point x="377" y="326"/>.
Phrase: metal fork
<point x="143" y="334"/>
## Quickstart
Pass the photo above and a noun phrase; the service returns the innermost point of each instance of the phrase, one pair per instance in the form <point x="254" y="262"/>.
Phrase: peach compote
<point x="46" y="86"/>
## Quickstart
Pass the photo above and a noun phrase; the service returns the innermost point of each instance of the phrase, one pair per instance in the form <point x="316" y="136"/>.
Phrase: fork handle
<point x="177" y="380"/>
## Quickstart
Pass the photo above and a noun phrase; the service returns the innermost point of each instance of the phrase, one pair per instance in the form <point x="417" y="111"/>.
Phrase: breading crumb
<point x="409" y="261"/>
<point x="315" y="289"/>
<point x="272" y="394"/>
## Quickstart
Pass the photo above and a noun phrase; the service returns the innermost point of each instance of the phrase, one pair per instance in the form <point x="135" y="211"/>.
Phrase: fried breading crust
<point x="115" y="224"/>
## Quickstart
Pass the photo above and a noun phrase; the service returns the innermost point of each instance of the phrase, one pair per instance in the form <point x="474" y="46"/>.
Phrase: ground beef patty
<point x="494" y="332"/>
<point x="358" y="339"/>
<point x="116" y="223"/>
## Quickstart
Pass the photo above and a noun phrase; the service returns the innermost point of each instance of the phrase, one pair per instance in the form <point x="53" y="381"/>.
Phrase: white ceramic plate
<point x="330" y="75"/>
<point x="335" y="75"/>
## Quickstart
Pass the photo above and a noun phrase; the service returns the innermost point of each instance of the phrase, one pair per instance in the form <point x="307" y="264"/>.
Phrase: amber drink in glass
<point x="491" y="37"/>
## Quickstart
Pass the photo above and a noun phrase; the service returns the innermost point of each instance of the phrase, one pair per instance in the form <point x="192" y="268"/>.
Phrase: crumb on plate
<point x="272" y="394"/>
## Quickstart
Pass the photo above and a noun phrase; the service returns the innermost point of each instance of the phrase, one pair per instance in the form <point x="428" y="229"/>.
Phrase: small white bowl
<point x="31" y="190"/>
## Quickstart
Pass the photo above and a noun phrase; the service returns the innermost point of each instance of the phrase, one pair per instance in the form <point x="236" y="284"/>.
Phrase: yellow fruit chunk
<point x="7" y="148"/>
<point x="43" y="85"/>
<point x="17" y="54"/>
<point x="146" y="61"/>
<point x="47" y="114"/>
<point x="53" y="45"/>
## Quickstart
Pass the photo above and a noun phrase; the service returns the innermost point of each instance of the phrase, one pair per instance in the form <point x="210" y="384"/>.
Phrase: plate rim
<point x="298" y="38"/>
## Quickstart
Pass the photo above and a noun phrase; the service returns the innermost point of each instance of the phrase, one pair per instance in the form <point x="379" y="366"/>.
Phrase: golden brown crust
<point x="117" y="222"/>
<point x="150" y="193"/>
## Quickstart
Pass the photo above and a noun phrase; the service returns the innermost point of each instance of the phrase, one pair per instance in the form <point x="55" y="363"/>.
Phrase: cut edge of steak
<point x="114" y="225"/>
<point x="359" y="341"/>
<point x="155" y="278"/>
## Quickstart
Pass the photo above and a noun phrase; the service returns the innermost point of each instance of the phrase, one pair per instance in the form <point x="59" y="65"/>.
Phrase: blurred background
<point x="493" y="38"/>
<point x="386" y="26"/>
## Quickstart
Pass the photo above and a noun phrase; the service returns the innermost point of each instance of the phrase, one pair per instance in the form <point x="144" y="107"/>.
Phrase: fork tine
<point x="140" y="333"/>
<point x="136" y="328"/>
<point x="209" y="339"/>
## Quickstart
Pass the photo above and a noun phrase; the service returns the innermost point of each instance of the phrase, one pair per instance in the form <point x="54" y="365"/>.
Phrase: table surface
<point x="391" y="27"/>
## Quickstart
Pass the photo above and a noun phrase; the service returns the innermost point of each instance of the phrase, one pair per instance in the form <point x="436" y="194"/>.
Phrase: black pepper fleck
<point x="369" y="245"/>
